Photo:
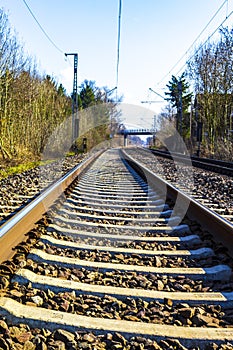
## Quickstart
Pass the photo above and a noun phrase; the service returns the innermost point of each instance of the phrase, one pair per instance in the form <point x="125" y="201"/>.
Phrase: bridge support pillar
<point x="125" y="140"/>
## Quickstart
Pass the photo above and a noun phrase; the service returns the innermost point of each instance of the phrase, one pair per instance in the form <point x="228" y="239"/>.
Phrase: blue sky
<point x="155" y="34"/>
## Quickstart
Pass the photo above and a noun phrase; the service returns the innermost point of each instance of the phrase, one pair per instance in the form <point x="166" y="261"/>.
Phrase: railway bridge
<point x="126" y="132"/>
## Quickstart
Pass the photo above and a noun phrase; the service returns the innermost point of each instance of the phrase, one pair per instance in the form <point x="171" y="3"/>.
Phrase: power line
<point x="227" y="9"/>
<point x="118" y="42"/>
<point x="212" y="18"/>
<point x="206" y="40"/>
<point x="41" y="28"/>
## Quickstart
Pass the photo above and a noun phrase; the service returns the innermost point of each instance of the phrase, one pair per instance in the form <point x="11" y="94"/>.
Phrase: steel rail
<point x="217" y="166"/>
<point x="58" y="317"/>
<point x="14" y="230"/>
<point x="221" y="229"/>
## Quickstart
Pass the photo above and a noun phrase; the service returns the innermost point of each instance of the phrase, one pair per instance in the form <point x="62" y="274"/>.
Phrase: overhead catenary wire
<point x="227" y="9"/>
<point x="210" y="36"/>
<point x="118" y="42"/>
<point x="42" y="29"/>
<point x="199" y="35"/>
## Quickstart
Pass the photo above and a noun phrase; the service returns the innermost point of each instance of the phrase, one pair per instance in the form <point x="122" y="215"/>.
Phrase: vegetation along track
<point x="112" y="265"/>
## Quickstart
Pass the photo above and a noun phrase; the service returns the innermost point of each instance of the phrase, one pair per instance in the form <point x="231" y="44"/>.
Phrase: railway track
<point x="18" y="190"/>
<point x="207" y="187"/>
<point x="113" y="264"/>
<point x="218" y="166"/>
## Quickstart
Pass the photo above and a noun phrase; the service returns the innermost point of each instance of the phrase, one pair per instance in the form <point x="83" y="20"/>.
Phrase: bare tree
<point x="211" y="72"/>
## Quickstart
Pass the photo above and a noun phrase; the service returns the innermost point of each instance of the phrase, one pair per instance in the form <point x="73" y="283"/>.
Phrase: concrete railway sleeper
<point x="110" y="266"/>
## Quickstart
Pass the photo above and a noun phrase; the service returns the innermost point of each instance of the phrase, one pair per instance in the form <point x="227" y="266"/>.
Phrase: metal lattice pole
<point x="180" y="108"/>
<point x="75" y="120"/>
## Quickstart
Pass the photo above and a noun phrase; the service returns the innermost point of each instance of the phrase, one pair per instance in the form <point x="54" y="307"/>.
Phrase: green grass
<point x="70" y="154"/>
<point x="20" y="168"/>
<point x="9" y="169"/>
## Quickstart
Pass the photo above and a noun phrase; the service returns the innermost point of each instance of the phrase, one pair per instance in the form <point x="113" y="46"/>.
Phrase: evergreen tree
<point x="174" y="94"/>
<point x="180" y="98"/>
<point x="87" y="94"/>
